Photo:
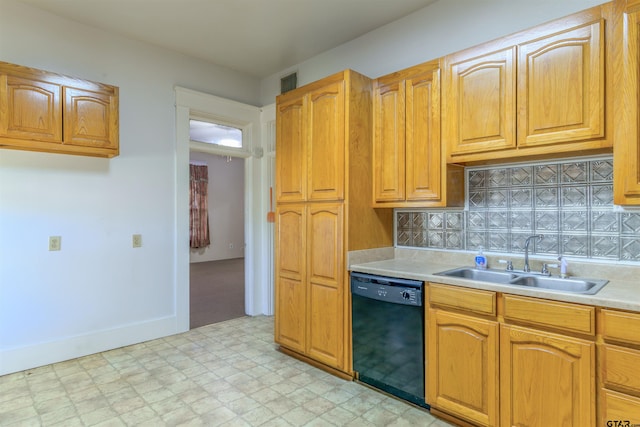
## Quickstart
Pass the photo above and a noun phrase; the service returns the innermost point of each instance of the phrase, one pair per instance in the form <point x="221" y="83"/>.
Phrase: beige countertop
<point x="622" y="291"/>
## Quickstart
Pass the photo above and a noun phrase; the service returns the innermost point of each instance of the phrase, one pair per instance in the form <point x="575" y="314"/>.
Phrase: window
<point x="213" y="133"/>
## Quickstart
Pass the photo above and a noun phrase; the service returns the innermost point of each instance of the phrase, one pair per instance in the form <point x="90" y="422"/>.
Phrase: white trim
<point x="268" y="118"/>
<point x="191" y="104"/>
<point x="44" y="353"/>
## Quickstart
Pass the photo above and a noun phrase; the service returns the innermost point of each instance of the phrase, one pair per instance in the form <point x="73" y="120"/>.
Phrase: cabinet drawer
<point x="558" y="315"/>
<point x="619" y="407"/>
<point x="620" y="368"/>
<point x="474" y="300"/>
<point x="621" y="326"/>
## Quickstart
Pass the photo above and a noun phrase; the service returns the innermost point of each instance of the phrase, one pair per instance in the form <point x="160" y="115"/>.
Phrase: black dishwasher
<point x="388" y="335"/>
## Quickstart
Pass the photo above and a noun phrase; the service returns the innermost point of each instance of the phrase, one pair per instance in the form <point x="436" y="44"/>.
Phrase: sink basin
<point x="493" y="276"/>
<point x="502" y="277"/>
<point x="573" y="285"/>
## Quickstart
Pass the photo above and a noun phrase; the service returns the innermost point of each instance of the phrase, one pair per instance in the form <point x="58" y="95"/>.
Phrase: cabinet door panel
<point x="619" y="407"/>
<point x="326" y="143"/>
<point x="561" y="87"/>
<point x="90" y="119"/>
<point x="423" y="137"/>
<point x="389" y="143"/>
<point x="626" y="151"/>
<point x="620" y="368"/>
<point x="462" y="372"/>
<point x="326" y="285"/>
<point x="291" y="160"/>
<point x="290" y="287"/>
<point x="324" y="243"/>
<point x="30" y="109"/>
<point x="480" y="102"/>
<point x="546" y="379"/>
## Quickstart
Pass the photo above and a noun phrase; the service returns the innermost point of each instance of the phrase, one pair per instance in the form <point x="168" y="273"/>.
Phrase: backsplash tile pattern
<point x="570" y="202"/>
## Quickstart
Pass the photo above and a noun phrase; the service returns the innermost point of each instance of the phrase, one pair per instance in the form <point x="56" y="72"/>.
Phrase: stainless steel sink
<point x="572" y="285"/>
<point x="493" y="276"/>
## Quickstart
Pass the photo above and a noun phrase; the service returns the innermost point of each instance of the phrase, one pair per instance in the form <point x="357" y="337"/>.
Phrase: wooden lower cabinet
<point x="493" y="361"/>
<point x="291" y="290"/>
<point x="546" y="379"/>
<point x="462" y="371"/>
<point x="310" y="289"/>
<point x="619" y="361"/>
<point x="619" y="408"/>
<point x="325" y="284"/>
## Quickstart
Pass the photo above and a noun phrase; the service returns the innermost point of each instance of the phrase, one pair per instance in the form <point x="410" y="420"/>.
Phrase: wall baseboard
<point x="40" y="354"/>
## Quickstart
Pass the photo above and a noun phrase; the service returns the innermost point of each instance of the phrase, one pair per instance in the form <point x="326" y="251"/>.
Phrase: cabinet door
<point x="618" y="407"/>
<point x="462" y="371"/>
<point x="423" y="137"/>
<point x="561" y="87"/>
<point x="291" y="157"/>
<point x="326" y="284"/>
<point x="30" y="109"/>
<point x="90" y="118"/>
<point x="326" y="127"/>
<point x="626" y="151"/>
<point x="389" y="142"/>
<point x="546" y="379"/>
<point x="480" y="101"/>
<point x="291" y="287"/>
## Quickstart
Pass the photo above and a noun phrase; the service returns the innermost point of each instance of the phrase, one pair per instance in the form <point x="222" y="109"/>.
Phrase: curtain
<point x="199" y="216"/>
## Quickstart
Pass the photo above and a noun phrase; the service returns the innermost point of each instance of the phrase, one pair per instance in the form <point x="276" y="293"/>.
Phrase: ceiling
<point x="256" y="37"/>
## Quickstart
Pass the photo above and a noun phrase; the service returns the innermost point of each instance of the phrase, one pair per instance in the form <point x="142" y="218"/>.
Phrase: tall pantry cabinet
<point x="323" y="195"/>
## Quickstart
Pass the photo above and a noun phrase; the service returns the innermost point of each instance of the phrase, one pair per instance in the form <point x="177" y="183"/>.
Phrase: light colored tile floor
<point x="225" y="374"/>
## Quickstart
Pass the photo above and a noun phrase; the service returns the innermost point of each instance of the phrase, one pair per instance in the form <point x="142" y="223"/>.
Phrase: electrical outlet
<point x="55" y="243"/>
<point x="230" y="245"/>
<point x="137" y="240"/>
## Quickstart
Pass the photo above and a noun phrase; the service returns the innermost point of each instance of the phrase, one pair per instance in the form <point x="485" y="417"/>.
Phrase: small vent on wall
<point x="289" y="82"/>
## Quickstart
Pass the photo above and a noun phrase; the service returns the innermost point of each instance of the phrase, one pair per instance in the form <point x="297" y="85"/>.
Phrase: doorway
<point x="253" y="121"/>
<point x="216" y="271"/>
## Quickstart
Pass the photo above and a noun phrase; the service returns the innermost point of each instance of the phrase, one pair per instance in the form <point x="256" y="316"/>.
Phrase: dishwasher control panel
<point x="389" y="289"/>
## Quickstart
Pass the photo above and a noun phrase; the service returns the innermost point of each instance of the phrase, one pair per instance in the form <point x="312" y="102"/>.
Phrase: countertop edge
<point x="616" y="294"/>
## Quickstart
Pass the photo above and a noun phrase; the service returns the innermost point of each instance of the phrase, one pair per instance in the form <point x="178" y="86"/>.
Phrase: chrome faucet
<point x="526" y="267"/>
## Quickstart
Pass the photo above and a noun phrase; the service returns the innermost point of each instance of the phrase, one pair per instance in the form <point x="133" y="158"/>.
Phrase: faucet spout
<point x="526" y="267"/>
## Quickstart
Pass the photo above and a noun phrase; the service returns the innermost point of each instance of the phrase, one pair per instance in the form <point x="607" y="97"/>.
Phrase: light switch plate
<point x="137" y="240"/>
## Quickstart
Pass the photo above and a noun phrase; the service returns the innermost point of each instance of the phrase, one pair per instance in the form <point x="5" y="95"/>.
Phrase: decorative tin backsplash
<point x="570" y="202"/>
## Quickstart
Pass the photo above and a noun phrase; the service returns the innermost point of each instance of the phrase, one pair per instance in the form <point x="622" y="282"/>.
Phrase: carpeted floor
<point x="216" y="291"/>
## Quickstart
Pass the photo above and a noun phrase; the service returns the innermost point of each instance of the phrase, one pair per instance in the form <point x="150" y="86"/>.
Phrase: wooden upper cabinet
<point x="389" y="142"/>
<point x="326" y="127"/>
<point x="480" y="101"/>
<point x="291" y="161"/>
<point x="626" y="153"/>
<point x="48" y="112"/>
<point x="30" y="109"/>
<point x="310" y="130"/>
<point x="423" y="153"/>
<point x="540" y="92"/>
<point x="561" y="86"/>
<point x="408" y="164"/>
<point x="90" y="118"/>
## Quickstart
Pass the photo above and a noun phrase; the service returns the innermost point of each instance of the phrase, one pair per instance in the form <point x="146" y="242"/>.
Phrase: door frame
<point x="195" y="104"/>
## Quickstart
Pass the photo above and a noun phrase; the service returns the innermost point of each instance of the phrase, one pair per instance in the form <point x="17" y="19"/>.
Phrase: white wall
<point x="226" y="207"/>
<point x="97" y="292"/>
<point x="444" y="27"/>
